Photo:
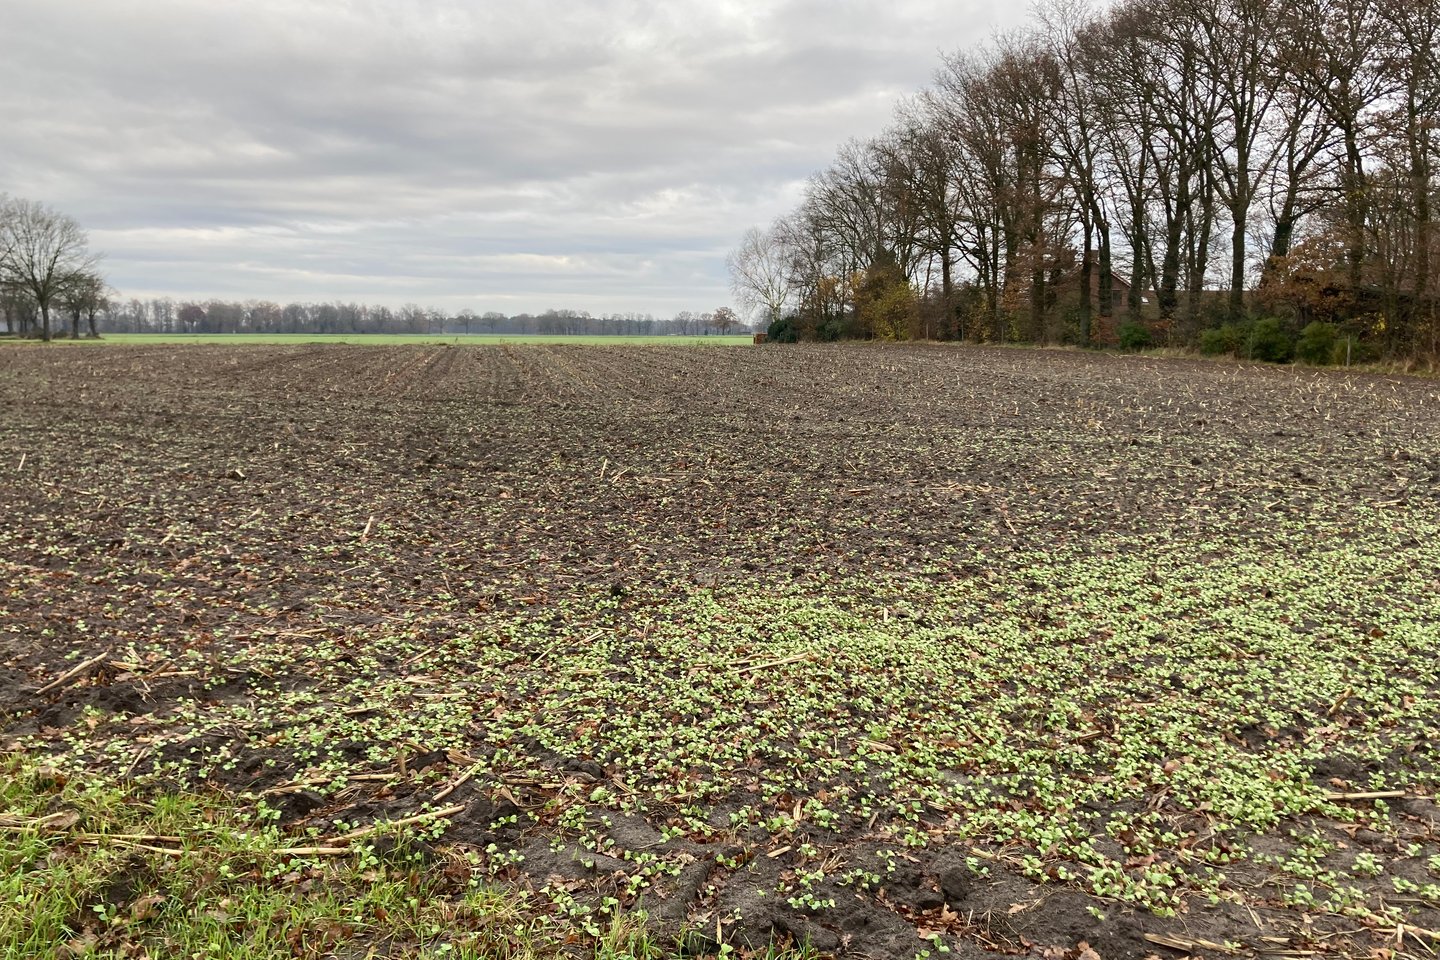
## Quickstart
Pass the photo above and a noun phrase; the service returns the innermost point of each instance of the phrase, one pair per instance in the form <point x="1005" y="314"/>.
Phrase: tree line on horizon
<point x="1188" y="172"/>
<point x="216" y="316"/>
<point x="48" y="273"/>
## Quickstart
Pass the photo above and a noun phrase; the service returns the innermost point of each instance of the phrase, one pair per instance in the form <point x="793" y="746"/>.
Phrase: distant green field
<point x="407" y="338"/>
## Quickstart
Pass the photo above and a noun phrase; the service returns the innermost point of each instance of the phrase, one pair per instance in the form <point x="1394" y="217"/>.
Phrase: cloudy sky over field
<point x="500" y="156"/>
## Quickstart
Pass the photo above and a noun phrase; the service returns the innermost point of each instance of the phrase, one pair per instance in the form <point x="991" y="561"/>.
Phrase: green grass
<point x="89" y="869"/>
<point x="389" y="339"/>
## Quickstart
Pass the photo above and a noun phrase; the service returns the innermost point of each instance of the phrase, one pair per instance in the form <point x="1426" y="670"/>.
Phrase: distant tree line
<point x="168" y="315"/>
<point x="1193" y="172"/>
<point x="49" y="278"/>
<point x="47" y="272"/>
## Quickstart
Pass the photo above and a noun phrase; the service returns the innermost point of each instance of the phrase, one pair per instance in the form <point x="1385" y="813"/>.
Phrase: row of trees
<point x="47" y="270"/>
<point x="1171" y="164"/>
<point x="166" y="315"/>
<point x="46" y="267"/>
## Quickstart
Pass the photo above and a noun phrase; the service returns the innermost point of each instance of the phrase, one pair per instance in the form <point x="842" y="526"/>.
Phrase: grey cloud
<point x="516" y="156"/>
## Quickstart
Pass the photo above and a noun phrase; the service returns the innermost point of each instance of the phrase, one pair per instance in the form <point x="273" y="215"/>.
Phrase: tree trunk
<point x="1087" y="273"/>
<point x="1143" y="270"/>
<point x="1284" y="235"/>
<point x="45" y="321"/>
<point x="1237" y="268"/>
<point x="1423" y="299"/>
<point x="1170" y="272"/>
<point x="1355" y="209"/>
<point x="947" y="295"/>
<point x="1107" y="274"/>
<point x="1037" y="304"/>
<point x="1198" y="260"/>
<point x="1004" y="285"/>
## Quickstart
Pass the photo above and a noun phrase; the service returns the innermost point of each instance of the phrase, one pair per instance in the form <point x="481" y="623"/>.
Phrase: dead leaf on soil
<point x="144" y="908"/>
<point x="79" y="946"/>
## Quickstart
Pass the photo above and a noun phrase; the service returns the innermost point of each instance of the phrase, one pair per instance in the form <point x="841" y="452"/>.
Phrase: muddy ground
<point x="773" y="643"/>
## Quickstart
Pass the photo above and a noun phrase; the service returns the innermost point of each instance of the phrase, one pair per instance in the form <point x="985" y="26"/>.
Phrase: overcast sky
<point x="500" y="156"/>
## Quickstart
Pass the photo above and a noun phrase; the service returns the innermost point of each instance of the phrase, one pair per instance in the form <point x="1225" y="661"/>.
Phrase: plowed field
<point x="885" y="650"/>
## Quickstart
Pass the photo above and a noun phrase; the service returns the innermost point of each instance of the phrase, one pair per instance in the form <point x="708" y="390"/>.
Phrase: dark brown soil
<point x="205" y="501"/>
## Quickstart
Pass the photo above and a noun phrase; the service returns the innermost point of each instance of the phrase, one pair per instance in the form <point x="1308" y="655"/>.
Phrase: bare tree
<point x="1020" y="214"/>
<point x="83" y="296"/>
<point x="724" y="320"/>
<point x="1412" y="59"/>
<point x="190" y="316"/>
<point x="40" y="251"/>
<point x="1235" y="50"/>
<point x="921" y="175"/>
<point x="975" y="134"/>
<point x="1331" y="57"/>
<point x="814" y="270"/>
<point x="758" y="274"/>
<point x="1299" y="181"/>
<point x="1120" y="68"/>
<point x="1079" y="111"/>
